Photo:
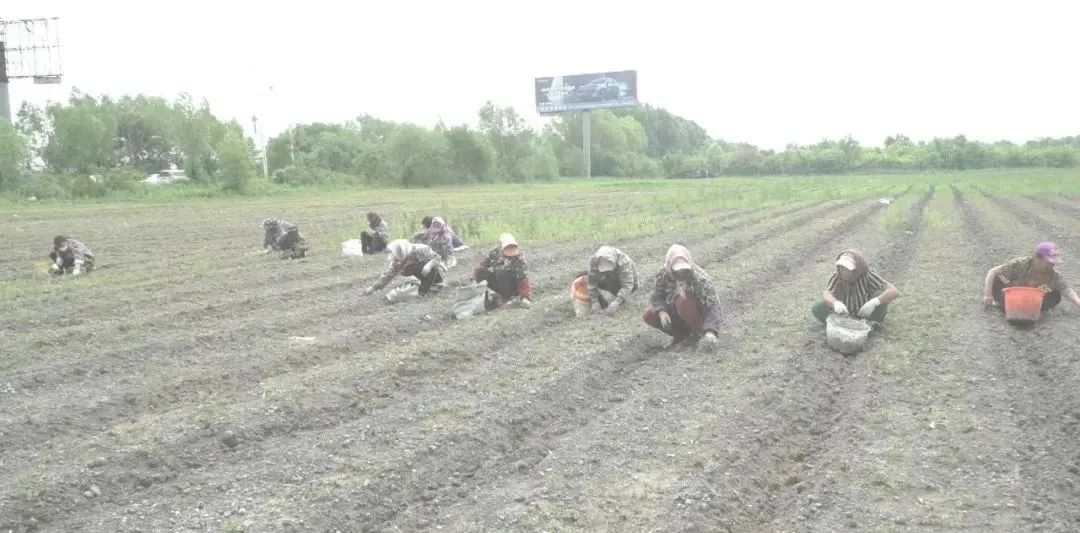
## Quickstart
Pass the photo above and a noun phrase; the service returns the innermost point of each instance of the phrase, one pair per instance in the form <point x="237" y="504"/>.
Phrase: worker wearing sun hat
<point x="506" y="273"/>
<point x="684" y="301"/>
<point x="611" y="278"/>
<point x="854" y="288"/>
<point x="1036" y="270"/>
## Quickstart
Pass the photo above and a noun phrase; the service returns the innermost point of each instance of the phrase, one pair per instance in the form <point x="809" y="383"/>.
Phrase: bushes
<point x="13" y="153"/>
<point x="303" y="176"/>
<point x="236" y="162"/>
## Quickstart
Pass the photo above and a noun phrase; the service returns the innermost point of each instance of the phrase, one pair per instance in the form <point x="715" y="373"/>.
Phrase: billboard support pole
<point x="5" y="102"/>
<point x="586" y="142"/>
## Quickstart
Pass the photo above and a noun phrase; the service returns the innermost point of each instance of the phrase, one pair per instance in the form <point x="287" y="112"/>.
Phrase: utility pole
<point x="262" y="145"/>
<point x="292" y="144"/>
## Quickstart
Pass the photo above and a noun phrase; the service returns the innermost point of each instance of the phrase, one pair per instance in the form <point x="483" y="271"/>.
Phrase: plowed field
<point x="191" y="384"/>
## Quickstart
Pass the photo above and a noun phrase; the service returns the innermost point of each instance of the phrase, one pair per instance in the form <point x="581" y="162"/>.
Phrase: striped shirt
<point x="855" y="295"/>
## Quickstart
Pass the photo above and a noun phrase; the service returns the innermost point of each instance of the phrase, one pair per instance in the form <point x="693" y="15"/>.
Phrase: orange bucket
<point x="1023" y="304"/>
<point x="579" y="290"/>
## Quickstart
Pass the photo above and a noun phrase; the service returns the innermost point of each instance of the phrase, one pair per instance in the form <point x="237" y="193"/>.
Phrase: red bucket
<point x="1023" y="304"/>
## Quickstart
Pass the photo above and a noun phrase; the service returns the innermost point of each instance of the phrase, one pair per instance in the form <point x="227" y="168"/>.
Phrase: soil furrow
<point x="319" y="417"/>
<point x="850" y="397"/>
<point x="554" y="316"/>
<point x="1035" y="469"/>
<point x="520" y="434"/>
<point x="636" y="458"/>
<point x="177" y="290"/>
<point x="88" y="413"/>
<point x="321" y="295"/>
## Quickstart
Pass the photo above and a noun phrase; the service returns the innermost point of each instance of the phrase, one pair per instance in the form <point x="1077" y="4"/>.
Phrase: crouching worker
<point x="611" y="279"/>
<point x="416" y="267"/>
<point x="377" y="236"/>
<point x="1038" y="270"/>
<point x="440" y="237"/>
<point x="856" y="290"/>
<point x="284" y="237"/>
<point x="506" y="274"/>
<point x="684" y="302"/>
<point x="423" y="237"/>
<point x="70" y="256"/>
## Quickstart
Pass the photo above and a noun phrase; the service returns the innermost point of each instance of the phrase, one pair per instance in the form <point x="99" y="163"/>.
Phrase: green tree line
<point x="90" y="145"/>
<point x="370" y="151"/>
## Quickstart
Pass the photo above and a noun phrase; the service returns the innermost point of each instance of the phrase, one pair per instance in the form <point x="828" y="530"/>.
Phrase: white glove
<point x="369" y="290"/>
<point x="55" y="267"/>
<point x="839" y="308"/>
<point x="525" y="303"/>
<point x="709" y="339"/>
<point x="869" y="307"/>
<point x="612" y="308"/>
<point x="78" y="268"/>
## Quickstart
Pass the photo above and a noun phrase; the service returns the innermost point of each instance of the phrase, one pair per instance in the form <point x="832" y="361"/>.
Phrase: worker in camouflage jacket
<point x="284" y="237"/>
<point x="413" y="263"/>
<point x="506" y="273"/>
<point x="70" y="256"/>
<point x="684" y="304"/>
<point x="611" y="279"/>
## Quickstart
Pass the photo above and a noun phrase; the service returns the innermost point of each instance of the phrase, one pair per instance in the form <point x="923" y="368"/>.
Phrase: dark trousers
<point x="292" y="244"/>
<point x="69" y="263"/>
<point x="417" y="271"/>
<point x="612" y="288"/>
<point x="503" y="283"/>
<point x="686" y="318"/>
<point x="371" y="242"/>
<point x="1050" y="301"/>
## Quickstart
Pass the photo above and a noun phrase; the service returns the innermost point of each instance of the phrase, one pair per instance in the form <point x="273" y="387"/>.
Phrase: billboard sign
<point x="580" y="92"/>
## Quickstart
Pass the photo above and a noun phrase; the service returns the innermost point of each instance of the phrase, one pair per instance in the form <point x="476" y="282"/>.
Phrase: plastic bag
<point x="406" y="288"/>
<point x="469" y="300"/>
<point x="352" y="248"/>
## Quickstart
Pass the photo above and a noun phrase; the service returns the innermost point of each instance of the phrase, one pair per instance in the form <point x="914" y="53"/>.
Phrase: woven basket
<point x="845" y="334"/>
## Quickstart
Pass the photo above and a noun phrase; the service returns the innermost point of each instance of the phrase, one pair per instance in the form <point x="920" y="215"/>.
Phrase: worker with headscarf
<point x="70" y="256"/>
<point x="611" y="278"/>
<point x="506" y="273"/>
<point x="440" y="237"/>
<point x="1037" y="270"/>
<point x="684" y="301"/>
<point x="855" y="289"/>
<point x="407" y="259"/>
<point x="422" y="237"/>
<point x="377" y="236"/>
<point x="284" y="237"/>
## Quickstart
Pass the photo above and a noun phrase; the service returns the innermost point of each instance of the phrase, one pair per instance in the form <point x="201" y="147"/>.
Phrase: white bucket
<point x="845" y="334"/>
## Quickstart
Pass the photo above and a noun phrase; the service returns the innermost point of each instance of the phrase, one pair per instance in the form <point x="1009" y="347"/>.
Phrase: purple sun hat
<point x="1050" y="252"/>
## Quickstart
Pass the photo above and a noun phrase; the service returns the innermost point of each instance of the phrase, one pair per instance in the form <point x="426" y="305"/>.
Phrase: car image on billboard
<point x="581" y="92"/>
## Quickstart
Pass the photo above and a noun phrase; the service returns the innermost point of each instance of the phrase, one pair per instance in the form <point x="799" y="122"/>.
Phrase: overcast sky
<point x="765" y="72"/>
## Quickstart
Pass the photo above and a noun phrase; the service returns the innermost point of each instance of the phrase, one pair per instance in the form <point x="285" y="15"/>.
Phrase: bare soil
<point x="215" y="389"/>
